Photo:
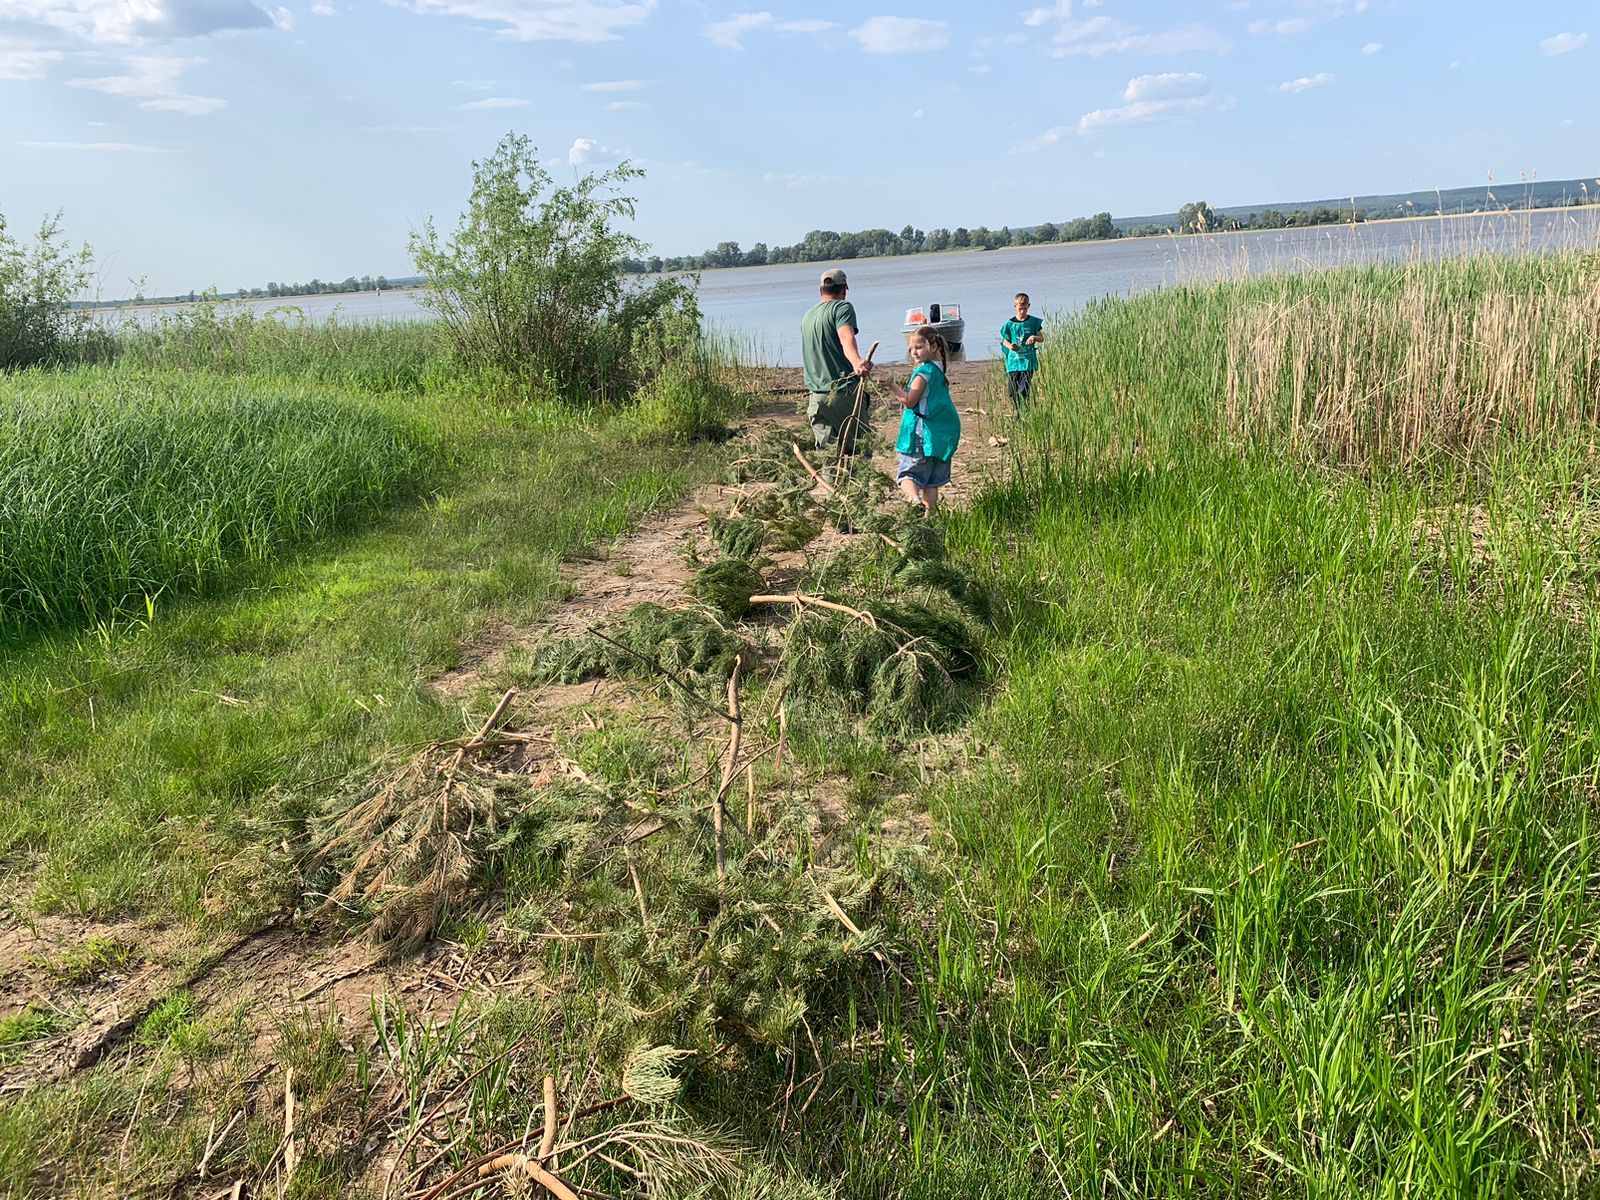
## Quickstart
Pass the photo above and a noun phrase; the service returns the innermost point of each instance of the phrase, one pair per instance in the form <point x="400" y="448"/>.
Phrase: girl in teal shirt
<point x="930" y="427"/>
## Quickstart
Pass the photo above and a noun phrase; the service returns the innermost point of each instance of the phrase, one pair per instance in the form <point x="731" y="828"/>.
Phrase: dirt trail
<point x="649" y="565"/>
<point x="278" y="969"/>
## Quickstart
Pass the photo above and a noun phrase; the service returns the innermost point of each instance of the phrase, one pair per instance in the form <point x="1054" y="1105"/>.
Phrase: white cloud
<point x="1309" y="14"/>
<point x="282" y="19"/>
<point x="99" y="147"/>
<point x="194" y="106"/>
<point x="1144" y="111"/>
<point x="729" y="34"/>
<point x="472" y="85"/>
<point x="1099" y="36"/>
<point x="1169" y="96"/>
<point x="493" y="102"/>
<point x="1287" y="27"/>
<point x="1564" y="43"/>
<point x="1048" y="138"/>
<point x="1305" y="82"/>
<point x="1372" y="48"/>
<point x="790" y="180"/>
<point x="322" y="10"/>
<point x="901" y="35"/>
<point x="980" y="69"/>
<point x="625" y="105"/>
<point x="612" y="85"/>
<point x="1061" y="10"/>
<point x="26" y="64"/>
<point x="917" y="115"/>
<point x="1170" y="85"/>
<point x="111" y="22"/>
<point x="153" y="82"/>
<point x="586" y="150"/>
<point x="546" y="20"/>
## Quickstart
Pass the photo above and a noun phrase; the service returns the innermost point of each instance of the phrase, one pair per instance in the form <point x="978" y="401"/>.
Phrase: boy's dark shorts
<point x="922" y="471"/>
<point x="1019" y="382"/>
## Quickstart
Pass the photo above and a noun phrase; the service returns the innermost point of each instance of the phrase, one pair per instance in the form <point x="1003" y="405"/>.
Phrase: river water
<point x="760" y="307"/>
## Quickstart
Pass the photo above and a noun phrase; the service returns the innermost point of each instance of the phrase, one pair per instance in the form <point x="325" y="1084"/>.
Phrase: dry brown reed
<point x="1388" y="364"/>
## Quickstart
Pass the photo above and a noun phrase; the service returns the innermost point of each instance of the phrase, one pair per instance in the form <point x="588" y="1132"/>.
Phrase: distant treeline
<point x="824" y="245"/>
<point x="316" y="287"/>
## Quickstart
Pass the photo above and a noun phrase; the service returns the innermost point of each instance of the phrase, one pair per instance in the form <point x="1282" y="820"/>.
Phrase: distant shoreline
<point x="287" y="300"/>
<point x="138" y="305"/>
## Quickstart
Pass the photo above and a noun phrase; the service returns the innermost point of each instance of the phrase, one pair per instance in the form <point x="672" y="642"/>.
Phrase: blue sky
<point x="232" y="142"/>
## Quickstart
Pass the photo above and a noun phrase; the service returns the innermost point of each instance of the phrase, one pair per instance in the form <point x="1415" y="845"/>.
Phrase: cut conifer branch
<point x="800" y="600"/>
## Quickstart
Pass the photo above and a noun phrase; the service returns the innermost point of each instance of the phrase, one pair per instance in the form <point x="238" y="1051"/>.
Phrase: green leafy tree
<point x="1196" y="217"/>
<point x="37" y="285"/>
<point x="529" y="288"/>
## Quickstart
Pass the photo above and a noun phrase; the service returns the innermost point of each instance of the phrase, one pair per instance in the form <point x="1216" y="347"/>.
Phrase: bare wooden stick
<point x="719" y="810"/>
<point x="811" y="471"/>
<point x="545" y="1179"/>
<point x="750" y="799"/>
<point x="485" y="729"/>
<point x="842" y="916"/>
<point x="548" y="1142"/>
<point x="638" y="888"/>
<point x="783" y="735"/>
<point x="847" y="431"/>
<point x="800" y="600"/>
<point x="215" y="1144"/>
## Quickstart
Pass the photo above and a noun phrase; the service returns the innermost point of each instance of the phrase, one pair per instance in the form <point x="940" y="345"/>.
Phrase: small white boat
<point x="945" y="319"/>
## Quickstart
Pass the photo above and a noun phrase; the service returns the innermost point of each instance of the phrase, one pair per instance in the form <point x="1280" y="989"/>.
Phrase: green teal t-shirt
<point x="820" y="350"/>
<point x="933" y="428"/>
<point x="1025" y="358"/>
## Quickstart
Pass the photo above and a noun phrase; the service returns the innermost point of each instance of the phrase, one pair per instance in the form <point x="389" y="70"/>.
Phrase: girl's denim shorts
<point x="924" y="472"/>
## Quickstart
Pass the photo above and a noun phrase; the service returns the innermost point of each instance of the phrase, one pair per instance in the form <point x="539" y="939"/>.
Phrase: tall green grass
<point x="368" y="356"/>
<point x="1280" y="878"/>
<point x="117" y="486"/>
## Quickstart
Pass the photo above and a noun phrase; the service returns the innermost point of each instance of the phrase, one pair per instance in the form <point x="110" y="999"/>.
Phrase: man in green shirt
<point x="833" y="363"/>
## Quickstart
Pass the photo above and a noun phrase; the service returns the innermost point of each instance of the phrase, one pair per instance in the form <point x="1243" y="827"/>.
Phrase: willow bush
<point x="530" y="287"/>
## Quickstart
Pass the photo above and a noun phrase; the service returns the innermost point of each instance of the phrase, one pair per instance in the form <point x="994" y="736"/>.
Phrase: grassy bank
<point x="1282" y="882"/>
<point x="1256" y="858"/>
<point x="195" y="626"/>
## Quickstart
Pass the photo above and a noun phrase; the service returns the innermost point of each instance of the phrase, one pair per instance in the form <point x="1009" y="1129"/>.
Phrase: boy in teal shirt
<point x="1021" y="336"/>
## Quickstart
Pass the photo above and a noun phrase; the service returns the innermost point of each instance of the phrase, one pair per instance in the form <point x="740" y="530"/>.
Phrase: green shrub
<point x="530" y="288"/>
<point x="685" y="404"/>
<point x="38" y="324"/>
